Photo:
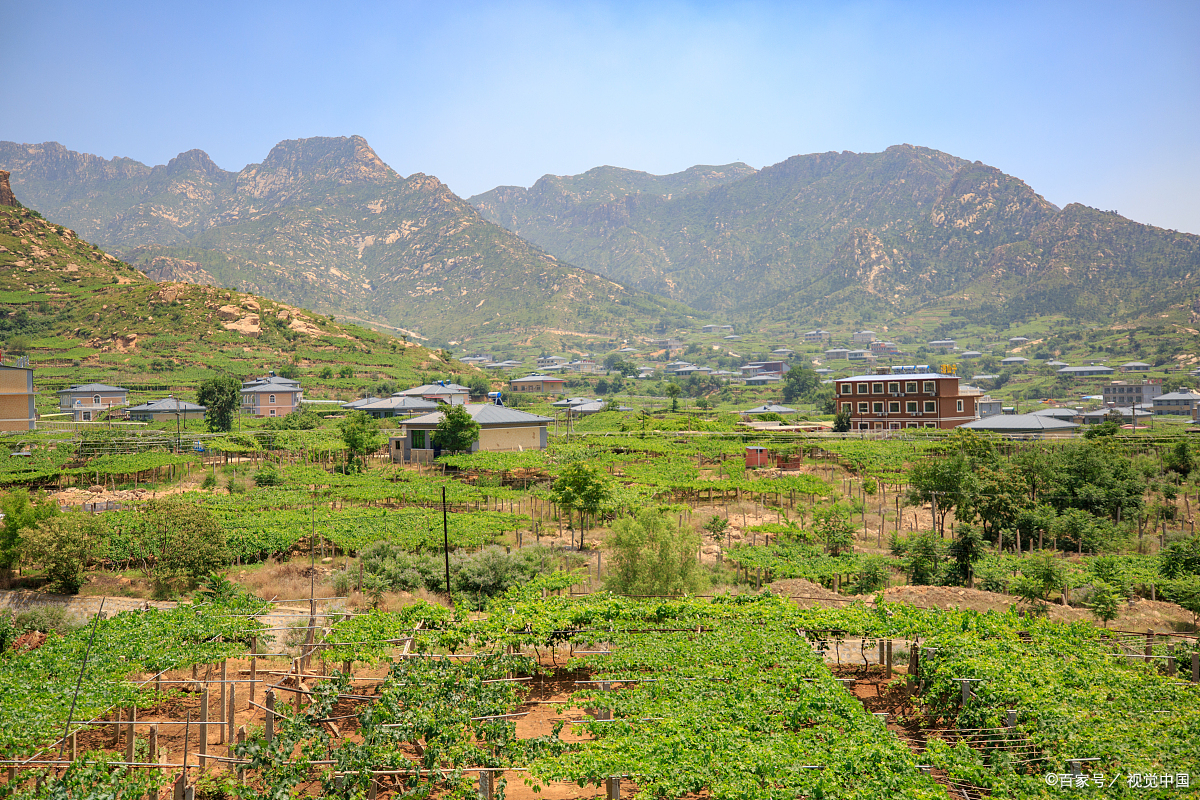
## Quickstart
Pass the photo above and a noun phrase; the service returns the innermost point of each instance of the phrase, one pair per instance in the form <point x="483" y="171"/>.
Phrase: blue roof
<point x="895" y="376"/>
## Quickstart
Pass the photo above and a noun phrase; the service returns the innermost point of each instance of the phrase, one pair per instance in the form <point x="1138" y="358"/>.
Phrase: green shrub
<point x="269" y="475"/>
<point x="47" y="619"/>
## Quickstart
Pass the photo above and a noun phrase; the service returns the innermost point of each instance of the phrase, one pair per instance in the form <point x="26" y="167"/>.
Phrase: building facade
<point x="1176" y="404"/>
<point x="88" y="401"/>
<point x="893" y="402"/>
<point x="500" y="430"/>
<point x="271" y="397"/>
<point x="16" y="398"/>
<point x="1121" y="393"/>
<point x="537" y="384"/>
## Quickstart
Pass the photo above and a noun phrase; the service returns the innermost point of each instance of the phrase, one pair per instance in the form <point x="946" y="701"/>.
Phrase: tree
<point x="360" y="433"/>
<point x="184" y="542"/>
<point x="673" y="393"/>
<point x="924" y="559"/>
<point x="841" y="421"/>
<point x="220" y="397"/>
<point x="1109" y="427"/>
<point x="21" y="513"/>
<point x="1105" y="601"/>
<point x="653" y="555"/>
<point x="1040" y="575"/>
<point x="63" y="545"/>
<point x="832" y="525"/>
<point x="479" y="385"/>
<point x="966" y="549"/>
<point x="457" y="431"/>
<point x="581" y="488"/>
<point x="799" y="382"/>
<point x="945" y="483"/>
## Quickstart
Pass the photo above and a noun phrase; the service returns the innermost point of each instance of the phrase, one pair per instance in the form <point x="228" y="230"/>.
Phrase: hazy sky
<point x="1090" y="102"/>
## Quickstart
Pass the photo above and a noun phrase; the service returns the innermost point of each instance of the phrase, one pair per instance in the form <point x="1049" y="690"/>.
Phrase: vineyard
<point x="539" y="676"/>
<point x="733" y="697"/>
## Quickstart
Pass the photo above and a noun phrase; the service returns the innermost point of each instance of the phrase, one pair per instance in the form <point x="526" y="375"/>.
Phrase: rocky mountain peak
<point x="193" y="161"/>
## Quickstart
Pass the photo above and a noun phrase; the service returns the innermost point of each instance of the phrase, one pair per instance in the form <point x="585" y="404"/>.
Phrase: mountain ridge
<point x="827" y="235"/>
<point x="325" y="223"/>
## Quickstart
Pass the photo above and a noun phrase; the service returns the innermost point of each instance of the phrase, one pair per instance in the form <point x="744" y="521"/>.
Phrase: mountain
<point x="324" y="223"/>
<point x="833" y="233"/>
<point x="83" y="315"/>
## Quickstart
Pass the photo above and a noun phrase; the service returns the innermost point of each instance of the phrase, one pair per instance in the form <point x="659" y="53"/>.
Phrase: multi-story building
<point x="891" y="402"/>
<point x="1123" y="393"/>
<point x="88" y="401"/>
<point x="862" y="337"/>
<point x="1182" y="403"/>
<point x="272" y="396"/>
<point x="817" y="336"/>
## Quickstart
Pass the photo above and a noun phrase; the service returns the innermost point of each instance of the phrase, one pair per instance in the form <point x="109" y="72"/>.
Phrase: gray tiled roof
<point x="91" y="387"/>
<point x="1019" y="423"/>
<point x="166" y="405"/>
<point x="485" y="414"/>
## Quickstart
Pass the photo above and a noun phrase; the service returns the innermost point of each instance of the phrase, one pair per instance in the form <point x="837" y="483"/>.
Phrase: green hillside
<point x="83" y="315"/>
<point x="324" y="223"/>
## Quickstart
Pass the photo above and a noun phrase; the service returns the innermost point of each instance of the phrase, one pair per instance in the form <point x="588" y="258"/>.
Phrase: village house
<point x="500" y="430"/>
<point x="1176" y="404"/>
<point x="537" y="384"/>
<point x="1091" y="371"/>
<point x="891" y="402"/>
<point x="1122" y="393"/>
<point x="445" y="392"/>
<point x="169" y="409"/>
<point x="397" y="405"/>
<point x="817" y="336"/>
<point x="862" y="337"/>
<point x="272" y="396"/>
<point x="88" y="401"/>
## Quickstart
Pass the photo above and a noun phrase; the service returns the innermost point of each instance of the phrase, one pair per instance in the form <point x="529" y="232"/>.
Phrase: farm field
<point x="629" y="613"/>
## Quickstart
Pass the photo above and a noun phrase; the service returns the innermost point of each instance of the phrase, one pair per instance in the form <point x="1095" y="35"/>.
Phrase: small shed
<point x="757" y="457"/>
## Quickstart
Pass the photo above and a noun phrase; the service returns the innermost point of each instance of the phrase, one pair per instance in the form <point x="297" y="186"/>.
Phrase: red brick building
<point x="892" y="402"/>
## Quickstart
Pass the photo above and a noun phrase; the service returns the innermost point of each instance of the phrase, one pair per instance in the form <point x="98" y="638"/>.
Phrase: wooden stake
<point x="129" y="734"/>
<point x="203" y="729"/>
<point x="270" y="721"/>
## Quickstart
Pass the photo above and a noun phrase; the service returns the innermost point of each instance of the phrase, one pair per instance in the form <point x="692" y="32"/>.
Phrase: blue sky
<point x="1090" y="102"/>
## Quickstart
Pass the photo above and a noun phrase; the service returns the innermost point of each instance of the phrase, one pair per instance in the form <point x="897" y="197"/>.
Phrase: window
<point x="848" y="407"/>
<point x="876" y="388"/>
<point x="418" y="440"/>
<point x="96" y="400"/>
<point x="863" y="408"/>
<point x="930" y="424"/>
<point x="847" y="388"/>
<point x="930" y="387"/>
<point x="894" y="408"/>
<point x="878" y="409"/>
<point x="271" y="399"/>
<point x="862" y="388"/>
<point x="87" y="416"/>
<point x="864" y="426"/>
<point x="894" y="426"/>
<point x="272" y="412"/>
<point x="878" y="426"/>
<point x="911" y="425"/>
<point x="910" y="386"/>
<point x="911" y="406"/>
<point x="894" y="388"/>
<point x="960" y="405"/>
<point x="931" y="406"/>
